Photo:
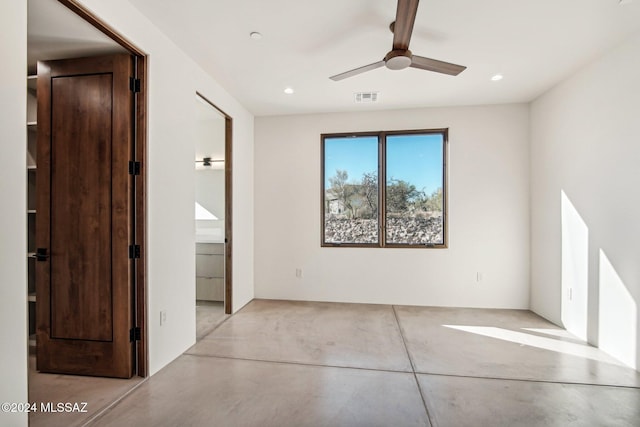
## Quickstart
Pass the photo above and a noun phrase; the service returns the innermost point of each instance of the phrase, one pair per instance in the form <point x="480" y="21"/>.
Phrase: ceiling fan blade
<point x="403" y="26"/>
<point x="434" y="65"/>
<point x="357" y="71"/>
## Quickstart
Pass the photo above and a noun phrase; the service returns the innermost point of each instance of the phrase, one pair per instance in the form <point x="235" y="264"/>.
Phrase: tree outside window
<point x="384" y="189"/>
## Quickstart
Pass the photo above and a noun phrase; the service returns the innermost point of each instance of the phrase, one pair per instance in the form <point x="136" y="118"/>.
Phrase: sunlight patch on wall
<point x="618" y="315"/>
<point x="575" y="269"/>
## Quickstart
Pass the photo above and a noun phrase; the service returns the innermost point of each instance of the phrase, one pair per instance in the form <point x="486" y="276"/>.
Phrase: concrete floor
<point x="278" y="363"/>
<point x="209" y="314"/>
<point x="98" y="393"/>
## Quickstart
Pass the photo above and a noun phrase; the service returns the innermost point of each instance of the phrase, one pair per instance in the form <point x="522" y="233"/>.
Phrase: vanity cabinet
<point x="210" y="271"/>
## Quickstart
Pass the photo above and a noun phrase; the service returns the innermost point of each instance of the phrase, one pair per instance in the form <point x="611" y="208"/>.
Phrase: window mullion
<point x="382" y="179"/>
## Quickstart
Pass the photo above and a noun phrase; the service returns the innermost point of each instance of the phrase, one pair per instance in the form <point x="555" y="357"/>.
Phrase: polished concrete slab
<point x="284" y="363"/>
<point x="348" y="335"/>
<point x="209" y="391"/>
<point x="460" y="401"/>
<point x="514" y="344"/>
<point x="97" y="393"/>
<point x="209" y="314"/>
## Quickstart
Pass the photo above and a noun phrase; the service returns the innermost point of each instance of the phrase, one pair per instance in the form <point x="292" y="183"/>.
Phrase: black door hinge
<point x="135" y="334"/>
<point x="134" y="85"/>
<point x="134" y="167"/>
<point x="134" y="251"/>
<point x="41" y="254"/>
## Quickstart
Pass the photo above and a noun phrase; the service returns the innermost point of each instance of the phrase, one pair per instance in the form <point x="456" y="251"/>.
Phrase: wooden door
<point x="85" y="217"/>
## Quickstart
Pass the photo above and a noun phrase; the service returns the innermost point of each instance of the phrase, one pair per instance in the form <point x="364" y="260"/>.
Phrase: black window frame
<point x="382" y="180"/>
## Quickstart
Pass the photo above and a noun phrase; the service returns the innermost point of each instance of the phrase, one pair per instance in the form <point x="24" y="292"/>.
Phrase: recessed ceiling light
<point x="255" y="35"/>
<point x="496" y="78"/>
<point x="288" y="90"/>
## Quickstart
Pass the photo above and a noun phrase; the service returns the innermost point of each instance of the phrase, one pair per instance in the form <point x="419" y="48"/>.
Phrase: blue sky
<point x="413" y="158"/>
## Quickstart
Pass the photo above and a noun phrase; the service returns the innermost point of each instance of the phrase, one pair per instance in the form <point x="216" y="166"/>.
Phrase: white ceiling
<point x="55" y="32"/>
<point x="533" y="43"/>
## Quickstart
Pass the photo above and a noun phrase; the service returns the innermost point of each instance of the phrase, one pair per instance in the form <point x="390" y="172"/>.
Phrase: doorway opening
<point x="62" y="30"/>
<point x="212" y="215"/>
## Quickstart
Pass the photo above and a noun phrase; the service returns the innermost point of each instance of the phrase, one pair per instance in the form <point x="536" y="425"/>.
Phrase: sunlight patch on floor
<point x="584" y="351"/>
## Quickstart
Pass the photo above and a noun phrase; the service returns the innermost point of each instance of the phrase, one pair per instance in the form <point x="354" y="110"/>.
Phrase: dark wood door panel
<point x="81" y="303"/>
<point x="85" y="215"/>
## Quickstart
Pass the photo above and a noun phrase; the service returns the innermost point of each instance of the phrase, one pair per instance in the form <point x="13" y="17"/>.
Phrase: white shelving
<point x="31" y="162"/>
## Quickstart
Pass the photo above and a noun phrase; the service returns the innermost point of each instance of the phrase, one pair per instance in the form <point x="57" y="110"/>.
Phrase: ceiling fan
<point x="400" y="57"/>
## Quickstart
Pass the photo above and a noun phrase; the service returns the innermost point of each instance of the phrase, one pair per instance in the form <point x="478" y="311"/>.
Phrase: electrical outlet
<point x="298" y="272"/>
<point x="163" y="317"/>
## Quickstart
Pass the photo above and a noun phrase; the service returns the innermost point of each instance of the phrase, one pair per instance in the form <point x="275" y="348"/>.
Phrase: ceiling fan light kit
<point x="400" y="57"/>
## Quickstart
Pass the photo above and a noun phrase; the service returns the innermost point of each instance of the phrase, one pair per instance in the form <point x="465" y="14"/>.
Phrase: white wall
<point x="210" y="185"/>
<point x="584" y="142"/>
<point x="210" y="195"/>
<point x="13" y="225"/>
<point x="488" y="207"/>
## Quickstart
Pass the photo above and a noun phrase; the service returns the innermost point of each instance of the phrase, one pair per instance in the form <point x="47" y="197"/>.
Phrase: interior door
<point x="84" y="219"/>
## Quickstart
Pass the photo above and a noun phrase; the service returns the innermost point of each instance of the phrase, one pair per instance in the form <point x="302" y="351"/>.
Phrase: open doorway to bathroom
<point x="212" y="216"/>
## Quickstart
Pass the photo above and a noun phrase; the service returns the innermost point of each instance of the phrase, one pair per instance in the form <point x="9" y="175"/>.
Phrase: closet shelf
<point x="31" y="144"/>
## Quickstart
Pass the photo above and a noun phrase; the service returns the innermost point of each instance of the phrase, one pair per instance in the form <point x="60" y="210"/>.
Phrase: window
<point x="384" y="189"/>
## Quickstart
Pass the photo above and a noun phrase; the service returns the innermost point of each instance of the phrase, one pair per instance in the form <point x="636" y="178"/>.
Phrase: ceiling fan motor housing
<point x="398" y="59"/>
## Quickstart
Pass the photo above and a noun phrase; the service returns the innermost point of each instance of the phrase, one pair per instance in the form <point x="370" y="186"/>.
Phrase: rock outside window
<point x="385" y="189"/>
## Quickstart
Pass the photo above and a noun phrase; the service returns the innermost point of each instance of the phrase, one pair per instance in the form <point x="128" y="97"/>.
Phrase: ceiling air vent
<point x="366" y="97"/>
